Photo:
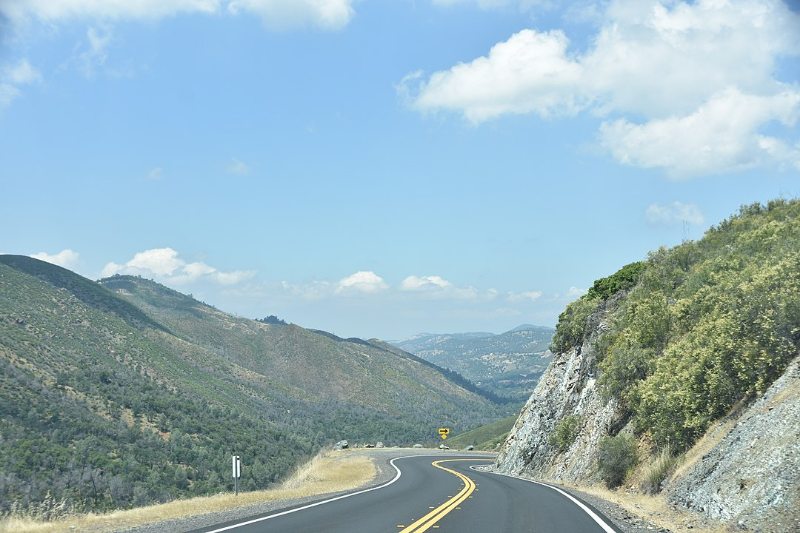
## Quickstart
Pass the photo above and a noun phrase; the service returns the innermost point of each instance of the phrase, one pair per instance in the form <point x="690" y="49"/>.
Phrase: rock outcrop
<point x="568" y="387"/>
<point x="752" y="477"/>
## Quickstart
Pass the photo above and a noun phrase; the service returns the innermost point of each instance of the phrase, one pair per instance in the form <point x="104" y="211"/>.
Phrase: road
<point x="438" y="493"/>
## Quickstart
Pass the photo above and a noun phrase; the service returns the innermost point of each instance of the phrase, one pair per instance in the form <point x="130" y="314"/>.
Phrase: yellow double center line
<point x="427" y="521"/>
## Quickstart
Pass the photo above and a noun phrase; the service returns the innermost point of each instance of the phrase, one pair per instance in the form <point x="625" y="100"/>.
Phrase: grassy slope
<point x="487" y="437"/>
<point x="109" y="402"/>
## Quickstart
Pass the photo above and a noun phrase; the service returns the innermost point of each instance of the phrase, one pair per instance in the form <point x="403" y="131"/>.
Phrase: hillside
<point x="508" y="364"/>
<point x="653" y="356"/>
<point x="125" y="392"/>
<point x="488" y="437"/>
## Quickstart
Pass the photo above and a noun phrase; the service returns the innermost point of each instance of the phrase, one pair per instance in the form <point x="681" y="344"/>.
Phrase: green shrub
<point x="565" y="432"/>
<point x="615" y="457"/>
<point x="571" y="328"/>
<point x="624" y="278"/>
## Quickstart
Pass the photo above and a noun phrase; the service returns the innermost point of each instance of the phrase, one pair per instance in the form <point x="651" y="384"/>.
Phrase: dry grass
<point x="325" y="473"/>
<point x="653" y="509"/>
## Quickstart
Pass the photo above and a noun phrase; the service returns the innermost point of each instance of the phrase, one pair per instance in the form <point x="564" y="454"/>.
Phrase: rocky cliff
<point x="695" y="350"/>
<point x="567" y="388"/>
<point x="752" y="477"/>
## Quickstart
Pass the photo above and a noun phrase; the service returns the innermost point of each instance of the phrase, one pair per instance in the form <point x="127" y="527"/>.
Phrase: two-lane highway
<point x="436" y="493"/>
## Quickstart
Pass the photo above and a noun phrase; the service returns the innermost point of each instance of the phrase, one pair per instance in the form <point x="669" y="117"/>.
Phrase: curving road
<point x="439" y="493"/>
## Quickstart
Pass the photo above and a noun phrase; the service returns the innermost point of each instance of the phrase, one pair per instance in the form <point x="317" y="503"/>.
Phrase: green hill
<point x="125" y="392"/>
<point x="696" y="328"/>
<point x="487" y="437"/>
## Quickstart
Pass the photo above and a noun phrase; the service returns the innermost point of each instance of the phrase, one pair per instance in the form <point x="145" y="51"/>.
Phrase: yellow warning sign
<point x="443" y="432"/>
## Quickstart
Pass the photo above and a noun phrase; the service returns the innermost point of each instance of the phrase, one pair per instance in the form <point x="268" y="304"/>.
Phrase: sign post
<point x="236" y="464"/>
<point x="443" y="432"/>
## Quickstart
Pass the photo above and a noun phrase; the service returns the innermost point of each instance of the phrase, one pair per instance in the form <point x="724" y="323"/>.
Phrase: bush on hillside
<point x="615" y="458"/>
<point x="565" y="432"/>
<point x="708" y="323"/>
<point x="571" y="328"/>
<point x="624" y="278"/>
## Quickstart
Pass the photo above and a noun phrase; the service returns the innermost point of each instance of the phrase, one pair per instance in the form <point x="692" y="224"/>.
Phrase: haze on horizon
<point x="380" y="169"/>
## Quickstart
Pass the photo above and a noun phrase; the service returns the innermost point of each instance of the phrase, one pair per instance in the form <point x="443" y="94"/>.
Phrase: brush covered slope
<point x="654" y="355"/>
<point x="125" y="392"/>
<point x="508" y="364"/>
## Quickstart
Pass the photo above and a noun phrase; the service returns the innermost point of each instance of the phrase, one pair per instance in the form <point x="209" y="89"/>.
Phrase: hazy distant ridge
<point x="508" y="364"/>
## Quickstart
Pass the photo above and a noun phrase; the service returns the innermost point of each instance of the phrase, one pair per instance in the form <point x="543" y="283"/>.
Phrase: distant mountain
<point x="508" y="364"/>
<point x="124" y="392"/>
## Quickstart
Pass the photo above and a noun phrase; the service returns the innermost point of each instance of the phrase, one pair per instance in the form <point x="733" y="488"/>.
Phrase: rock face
<point x="568" y="387"/>
<point x="752" y="477"/>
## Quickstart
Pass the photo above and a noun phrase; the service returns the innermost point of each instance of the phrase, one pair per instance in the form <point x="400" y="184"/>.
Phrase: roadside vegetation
<point x="326" y="473"/>
<point x="565" y="432"/>
<point x="694" y="329"/>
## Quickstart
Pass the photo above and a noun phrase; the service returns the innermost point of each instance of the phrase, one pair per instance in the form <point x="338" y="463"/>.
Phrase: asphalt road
<point x="436" y="493"/>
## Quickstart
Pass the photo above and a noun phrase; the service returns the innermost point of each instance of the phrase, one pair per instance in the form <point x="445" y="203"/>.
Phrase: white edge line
<point x="310" y="505"/>
<point x="592" y="514"/>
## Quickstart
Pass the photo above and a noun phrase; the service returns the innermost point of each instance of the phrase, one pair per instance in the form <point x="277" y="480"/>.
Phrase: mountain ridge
<point x="125" y="392"/>
<point x="508" y="364"/>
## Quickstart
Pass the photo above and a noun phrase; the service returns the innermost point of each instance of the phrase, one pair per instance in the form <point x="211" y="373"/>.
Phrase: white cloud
<point x="575" y="292"/>
<point x="722" y="135"/>
<point x="164" y="264"/>
<point x="239" y="168"/>
<point x="525" y="296"/>
<point x="420" y="283"/>
<point x="439" y="288"/>
<point x="55" y="10"/>
<point x="363" y="281"/>
<point x="674" y="213"/>
<point x="315" y="290"/>
<point x="279" y="14"/>
<point x="65" y="258"/>
<point x="12" y="77"/>
<point x="670" y="66"/>
<point x="528" y="73"/>
<point x="523" y="5"/>
<point x="95" y="53"/>
<point x="282" y="14"/>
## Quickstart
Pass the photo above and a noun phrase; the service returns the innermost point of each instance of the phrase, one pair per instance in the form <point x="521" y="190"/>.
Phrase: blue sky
<point x="378" y="169"/>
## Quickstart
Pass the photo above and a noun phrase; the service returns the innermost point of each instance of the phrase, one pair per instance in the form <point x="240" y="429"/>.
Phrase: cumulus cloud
<point x="722" y="135"/>
<point x="13" y="77"/>
<point x="440" y="288"/>
<point x="164" y="264"/>
<point x="674" y="213"/>
<point x="282" y="14"/>
<point x="528" y="73"/>
<point x="65" y="258"/>
<point x="418" y="283"/>
<point x="671" y="65"/>
<point x="363" y="281"/>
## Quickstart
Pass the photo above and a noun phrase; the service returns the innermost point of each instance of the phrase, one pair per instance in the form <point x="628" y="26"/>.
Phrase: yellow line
<point x="425" y="523"/>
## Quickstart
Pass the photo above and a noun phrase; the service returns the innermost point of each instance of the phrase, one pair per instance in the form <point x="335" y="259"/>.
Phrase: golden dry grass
<point x="326" y="473"/>
<point x="651" y="508"/>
